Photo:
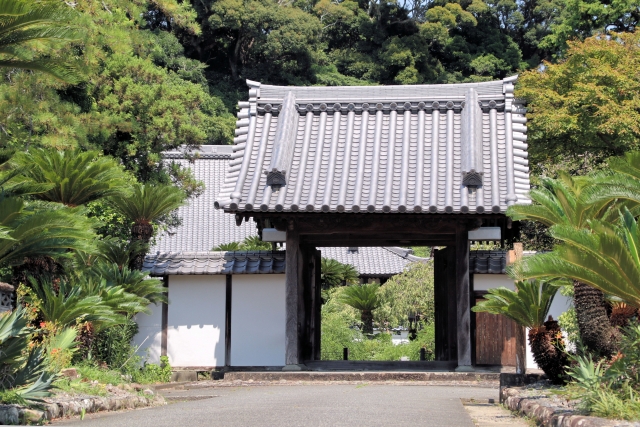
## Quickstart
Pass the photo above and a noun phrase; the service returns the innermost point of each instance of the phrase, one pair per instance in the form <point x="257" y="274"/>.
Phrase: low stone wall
<point x="544" y="411"/>
<point x="17" y="415"/>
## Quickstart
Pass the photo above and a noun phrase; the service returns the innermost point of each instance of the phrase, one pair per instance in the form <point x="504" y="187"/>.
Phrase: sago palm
<point x="40" y="233"/>
<point x="143" y="206"/>
<point x="363" y="298"/>
<point x="70" y="305"/>
<point x="74" y="177"/>
<point x="529" y="306"/>
<point x="334" y="273"/>
<point x="23" y="22"/>
<point x="134" y="282"/>
<point x="606" y="257"/>
<point x="563" y="202"/>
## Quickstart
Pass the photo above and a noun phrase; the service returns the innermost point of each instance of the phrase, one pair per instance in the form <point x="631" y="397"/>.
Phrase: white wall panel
<point x="196" y="320"/>
<point x="258" y="320"/>
<point x="149" y="334"/>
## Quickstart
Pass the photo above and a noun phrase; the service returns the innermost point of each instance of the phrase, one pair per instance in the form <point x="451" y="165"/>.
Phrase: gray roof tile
<point x="244" y="262"/>
<point x="375" y="262"/>
<point x="203" y="227"/>
<point x="488" y="262"/>
<point x="379" y="149"/>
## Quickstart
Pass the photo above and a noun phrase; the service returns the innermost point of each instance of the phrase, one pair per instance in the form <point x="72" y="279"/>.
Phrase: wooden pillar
<point x="294" y="294"/>
<point x="463" y="296"/>
<point x="445" y="304"/>
<point x="316" y="305"/>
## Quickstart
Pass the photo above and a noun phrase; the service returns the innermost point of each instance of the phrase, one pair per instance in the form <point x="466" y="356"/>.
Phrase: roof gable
<point x="418" y="149"/>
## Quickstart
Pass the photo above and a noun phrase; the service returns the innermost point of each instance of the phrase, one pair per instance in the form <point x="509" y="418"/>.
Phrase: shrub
<point x="113" y="345"/>
<point x="610" y="388"/>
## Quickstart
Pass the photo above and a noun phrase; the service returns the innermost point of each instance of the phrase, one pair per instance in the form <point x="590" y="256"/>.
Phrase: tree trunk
<point x="596" y="332"/>
<point x="367" y="321"/>
<point x="547" y="346"/>
<point x="141" y="231"/>
<point x="35" y="267"/>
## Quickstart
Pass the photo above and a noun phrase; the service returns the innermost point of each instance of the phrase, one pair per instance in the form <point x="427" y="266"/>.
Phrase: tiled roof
<point x="367" y="149"/>
<point x="368" y="261"/>
<point x="245" y="262"/>
<point x="372" y="261"/>
<point x="204" y="227"/>
<point x="492" y="262"/>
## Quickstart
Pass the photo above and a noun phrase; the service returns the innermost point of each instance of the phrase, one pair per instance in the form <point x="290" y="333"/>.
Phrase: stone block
<point x="180" y="376"/>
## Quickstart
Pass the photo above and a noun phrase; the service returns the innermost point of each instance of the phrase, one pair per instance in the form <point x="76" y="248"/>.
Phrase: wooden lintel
<point x="320" y="241"/>
<point x="322" y="223"/>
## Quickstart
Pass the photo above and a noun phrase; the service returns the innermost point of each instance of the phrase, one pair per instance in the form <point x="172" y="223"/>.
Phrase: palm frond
<point x="605" y="257"/>
<point x="75" y="177"/>
<point x="361" y="297"/>
<point x="147" y="203"/>
<point x="528" y="305"/>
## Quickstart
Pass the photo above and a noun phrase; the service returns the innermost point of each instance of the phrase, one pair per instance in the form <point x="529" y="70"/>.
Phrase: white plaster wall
<point x="195" y="332"/>
<point x="149" y="335"/>
<point x="483" y="282"/>
<point x="258" y="320"/>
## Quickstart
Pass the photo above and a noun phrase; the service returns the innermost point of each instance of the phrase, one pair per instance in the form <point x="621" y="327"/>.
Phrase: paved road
<point x="312" y="405"/>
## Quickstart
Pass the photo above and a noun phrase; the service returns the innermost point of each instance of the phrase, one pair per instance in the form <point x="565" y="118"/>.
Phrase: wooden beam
<point x="227" y="321"/>
<point x="463" y="296"/>
<point x="316" y="305"/>
<point x="331" y="223"/>
<point x="165" y="319"/>
<point x="376" y="240"/>
<point x="293" y="279"/>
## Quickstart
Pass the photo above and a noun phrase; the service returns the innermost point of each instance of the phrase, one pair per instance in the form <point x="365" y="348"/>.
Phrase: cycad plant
<point x="563" y="202"/>
<point x="145" y="205"/>
<point x="74" y="177"/>
<point x="606" y="257"/>
<point x="33" y="239"/>
<point x="529" y="306"/>
<point x="25" y="21"/>
<point x="363" y="298"/>
<point x="334" y="273"/>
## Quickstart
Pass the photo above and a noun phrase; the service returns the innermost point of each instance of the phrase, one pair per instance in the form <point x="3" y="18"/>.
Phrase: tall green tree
<point x="586" y="107"/>
<point x="26" y="25"/>
<point x="561" y="202"/>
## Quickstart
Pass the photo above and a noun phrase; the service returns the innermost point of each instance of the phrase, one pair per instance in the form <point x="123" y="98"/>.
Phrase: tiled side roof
<point x="368" y="261"/>
<point x="246" y="262"/>
<point x="367" y="149"/>
<point x="372" y="261"/>
<point x="491" y="262"/>
<point x="204" y="227"/>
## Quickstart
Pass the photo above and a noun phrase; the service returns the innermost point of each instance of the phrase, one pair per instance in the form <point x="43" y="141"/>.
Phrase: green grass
<point x="78" y="386"/>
